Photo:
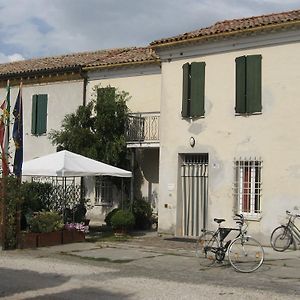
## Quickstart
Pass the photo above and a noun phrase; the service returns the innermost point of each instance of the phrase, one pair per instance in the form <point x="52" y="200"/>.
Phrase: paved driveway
<point x="143" y="268"/>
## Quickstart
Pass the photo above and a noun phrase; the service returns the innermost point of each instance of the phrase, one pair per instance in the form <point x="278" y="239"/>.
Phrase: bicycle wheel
<point x="281" y="238"/>
<point x="245" y="254"/>
<point x="206" y="247"/>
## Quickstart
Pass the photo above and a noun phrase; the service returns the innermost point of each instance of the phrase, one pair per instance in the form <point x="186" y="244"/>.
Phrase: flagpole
<point x="5" y="160"/>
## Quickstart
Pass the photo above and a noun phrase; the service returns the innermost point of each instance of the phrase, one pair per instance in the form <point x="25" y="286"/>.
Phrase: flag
<point x="18" y="134"/>
<point x="4" y="131"/>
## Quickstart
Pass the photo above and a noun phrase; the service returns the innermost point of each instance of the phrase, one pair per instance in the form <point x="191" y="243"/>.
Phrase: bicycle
<point x="245" y="254"/>
<point x="284" y="236"/>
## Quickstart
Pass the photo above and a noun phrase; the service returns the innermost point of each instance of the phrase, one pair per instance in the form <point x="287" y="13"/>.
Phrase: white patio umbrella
<point x="66" y="164"/>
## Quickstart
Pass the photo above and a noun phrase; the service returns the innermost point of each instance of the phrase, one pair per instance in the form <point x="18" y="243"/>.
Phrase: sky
<point x="39" y="28"/>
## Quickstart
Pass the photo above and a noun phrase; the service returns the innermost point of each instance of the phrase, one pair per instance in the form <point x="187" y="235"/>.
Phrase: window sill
<point x="255" y="218"/>
<point x="248" y="114"/>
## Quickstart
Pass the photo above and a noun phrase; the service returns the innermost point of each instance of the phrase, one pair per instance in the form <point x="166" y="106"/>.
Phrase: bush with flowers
<point x="77" y="226"/>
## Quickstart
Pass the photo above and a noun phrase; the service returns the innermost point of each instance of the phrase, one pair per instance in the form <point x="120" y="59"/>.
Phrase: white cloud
<point x="10" y="58"/>
<point x="49" y="27"/>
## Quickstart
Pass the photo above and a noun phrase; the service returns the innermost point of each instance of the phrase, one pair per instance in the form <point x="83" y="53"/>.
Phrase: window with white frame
<point x="248" y="186"/>
<point x="103" y="191"/>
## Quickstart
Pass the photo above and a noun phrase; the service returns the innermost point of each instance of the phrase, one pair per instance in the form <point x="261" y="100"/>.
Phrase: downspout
<point x="85" y="81"/>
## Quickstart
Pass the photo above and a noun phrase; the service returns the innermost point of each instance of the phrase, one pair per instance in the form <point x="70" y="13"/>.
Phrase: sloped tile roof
<point x="76" y="61"/>
<point x="235" y="26"/>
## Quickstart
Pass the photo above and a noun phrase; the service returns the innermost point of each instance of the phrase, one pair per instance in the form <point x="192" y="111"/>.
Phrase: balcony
<point x="143" y="130"/>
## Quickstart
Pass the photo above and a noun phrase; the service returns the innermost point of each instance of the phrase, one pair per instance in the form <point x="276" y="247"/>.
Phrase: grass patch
<point x="106" y="236"/>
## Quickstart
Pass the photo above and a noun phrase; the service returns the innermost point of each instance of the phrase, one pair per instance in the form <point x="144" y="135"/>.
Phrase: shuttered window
<point x="39" y="114"/>
<point x="248" y="84"/>
<point x="193" y="90"/>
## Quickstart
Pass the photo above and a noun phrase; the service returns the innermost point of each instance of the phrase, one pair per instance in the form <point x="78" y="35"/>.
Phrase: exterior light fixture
<point x="192" y="141"/>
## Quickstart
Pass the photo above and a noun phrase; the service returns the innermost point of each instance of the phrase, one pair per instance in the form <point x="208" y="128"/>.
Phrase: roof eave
<point x="125" y="64"/>
<point x="224" y="35"/>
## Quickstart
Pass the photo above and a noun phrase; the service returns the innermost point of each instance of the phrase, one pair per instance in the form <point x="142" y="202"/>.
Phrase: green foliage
<point x="142" y="212"/>
<point x="37" y="196"/>
<point x="122" y="219"/>
<point x="108" y="217"/>
<point x="11" y="197"/>
<point x="46" y="221"/>
<point x="96" y="130"/>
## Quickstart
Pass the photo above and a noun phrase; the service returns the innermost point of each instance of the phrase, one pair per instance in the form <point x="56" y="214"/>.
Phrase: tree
<point x="97" y="130"/>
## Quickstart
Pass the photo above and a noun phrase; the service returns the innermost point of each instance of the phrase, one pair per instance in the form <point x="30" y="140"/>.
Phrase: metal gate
<point x="194" y="180"/>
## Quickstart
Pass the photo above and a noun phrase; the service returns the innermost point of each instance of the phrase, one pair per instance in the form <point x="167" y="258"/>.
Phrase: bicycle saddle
<point x="219" y="220"/>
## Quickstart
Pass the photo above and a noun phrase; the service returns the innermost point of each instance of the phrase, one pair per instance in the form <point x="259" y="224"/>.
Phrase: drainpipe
<point x="85" y="81"/>
<point x="132" y="178"/>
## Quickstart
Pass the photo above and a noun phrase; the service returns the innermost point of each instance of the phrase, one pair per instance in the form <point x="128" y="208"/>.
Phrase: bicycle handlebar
<point x="291" y="214"/>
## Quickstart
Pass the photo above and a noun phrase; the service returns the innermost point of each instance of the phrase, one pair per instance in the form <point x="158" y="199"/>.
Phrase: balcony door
<point x="194" y="181"/>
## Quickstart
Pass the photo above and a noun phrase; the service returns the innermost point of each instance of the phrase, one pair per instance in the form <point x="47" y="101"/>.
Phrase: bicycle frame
<point x="293" y="228"/>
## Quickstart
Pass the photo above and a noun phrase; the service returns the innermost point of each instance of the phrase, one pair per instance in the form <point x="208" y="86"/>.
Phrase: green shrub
<point x="46" y="221"/>
<point x="108" y="217"/>
<point x="142" y="212"/>
<point x="122" y="219"/>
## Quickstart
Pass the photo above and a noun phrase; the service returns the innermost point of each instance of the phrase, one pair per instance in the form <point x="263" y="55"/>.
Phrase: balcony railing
<point x="143" y="128"/>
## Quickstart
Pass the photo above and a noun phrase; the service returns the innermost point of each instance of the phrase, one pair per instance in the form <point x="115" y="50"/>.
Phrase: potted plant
<point x="48" y="225"/>
<point x="122" y="221"/>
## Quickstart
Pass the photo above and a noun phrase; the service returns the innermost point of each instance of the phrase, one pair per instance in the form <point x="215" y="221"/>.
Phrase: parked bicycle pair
<point x="245" y="254"/>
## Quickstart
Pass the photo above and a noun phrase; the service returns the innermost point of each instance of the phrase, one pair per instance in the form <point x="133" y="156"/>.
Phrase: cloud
<point x="10" y="58"/>
<point x="49" y="27"/>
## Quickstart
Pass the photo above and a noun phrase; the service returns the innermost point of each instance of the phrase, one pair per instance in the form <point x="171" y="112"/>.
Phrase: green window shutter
<point x="197" y="89"/>
<point x="185" y="90"/>
<point x="240" y="85"/>
<point x="34" y="114"/>
<point x="42" y="114"/>
<point x="253" y="87"/>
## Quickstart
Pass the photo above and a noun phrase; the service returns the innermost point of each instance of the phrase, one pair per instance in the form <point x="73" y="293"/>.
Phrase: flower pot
<point x="78" y="236"/>
<point x="49" y="238"/>
<point x="27" y="240"/>
<point x="67" y="236"/>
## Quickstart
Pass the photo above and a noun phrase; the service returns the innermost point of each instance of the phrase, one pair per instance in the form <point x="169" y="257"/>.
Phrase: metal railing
<point x="143" y="128"/>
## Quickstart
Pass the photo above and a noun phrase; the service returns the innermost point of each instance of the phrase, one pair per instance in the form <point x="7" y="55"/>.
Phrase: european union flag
<point x="18" y="134"/>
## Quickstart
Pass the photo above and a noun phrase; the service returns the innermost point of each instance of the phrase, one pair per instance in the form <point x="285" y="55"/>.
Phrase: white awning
<point x="66" y="164"/>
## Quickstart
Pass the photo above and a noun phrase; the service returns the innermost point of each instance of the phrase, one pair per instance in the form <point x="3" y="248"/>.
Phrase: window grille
<point x="248" y="185"/>
<point x="195" y="158"/>
<point x="103" y="191"/>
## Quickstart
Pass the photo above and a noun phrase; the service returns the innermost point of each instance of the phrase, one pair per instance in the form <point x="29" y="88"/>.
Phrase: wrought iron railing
<point x="143" y="128"/>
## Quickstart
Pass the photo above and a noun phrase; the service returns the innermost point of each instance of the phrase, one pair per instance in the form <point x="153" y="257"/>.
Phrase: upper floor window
<point x="193" y="90"/>
<point x="248" y="84"/>
<point x="248" y="186"/>
<point x="39" y="114"/>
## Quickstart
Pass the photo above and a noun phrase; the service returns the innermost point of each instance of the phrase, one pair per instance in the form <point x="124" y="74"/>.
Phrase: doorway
<point x="194" y="186"/>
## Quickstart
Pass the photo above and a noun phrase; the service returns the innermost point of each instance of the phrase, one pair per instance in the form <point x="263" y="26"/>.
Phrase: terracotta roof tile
<point x="235" y="26"/>
<point x="77" y="61"/>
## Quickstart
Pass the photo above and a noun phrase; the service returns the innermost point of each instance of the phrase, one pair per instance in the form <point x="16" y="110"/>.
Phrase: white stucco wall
<point x="142" y="83"/>
<point x="273" y="135"/>
<point x="63" y="98"/>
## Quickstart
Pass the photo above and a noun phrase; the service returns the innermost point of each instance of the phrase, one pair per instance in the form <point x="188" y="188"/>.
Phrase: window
<point x="248" y="84"/>
<point x="248" y="186"/>
<point x="103" y="191"/>
<point x="39" y="114"/>
<point x="193" y="90"/>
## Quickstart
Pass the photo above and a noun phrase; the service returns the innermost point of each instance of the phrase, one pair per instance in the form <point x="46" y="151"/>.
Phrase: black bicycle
<point x="245" y="254"/>
<point x="284" y="236"/>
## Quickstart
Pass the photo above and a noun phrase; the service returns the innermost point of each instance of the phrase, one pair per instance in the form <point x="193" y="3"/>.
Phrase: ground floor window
<point x="103" y="191"/>
<point x="248" y="186"/>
